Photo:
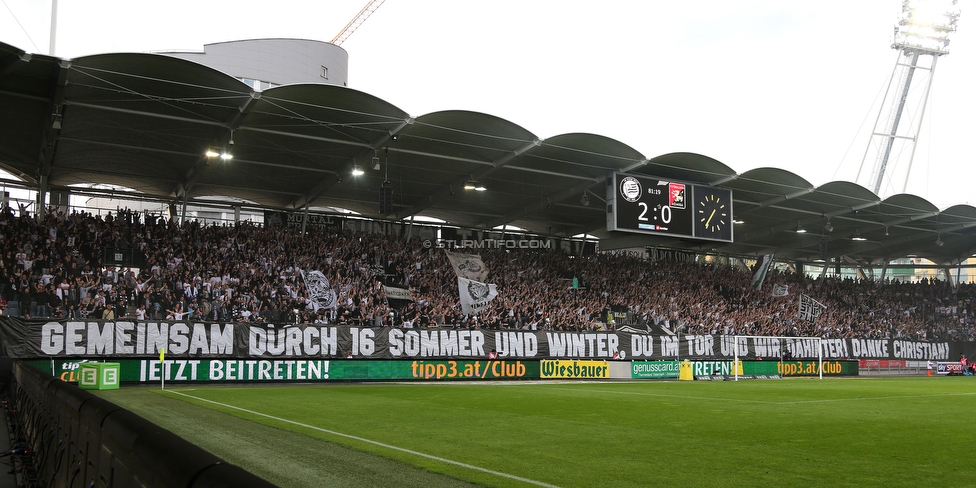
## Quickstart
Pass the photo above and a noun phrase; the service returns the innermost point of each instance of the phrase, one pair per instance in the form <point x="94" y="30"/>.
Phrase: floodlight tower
<point x="921" y="37"/>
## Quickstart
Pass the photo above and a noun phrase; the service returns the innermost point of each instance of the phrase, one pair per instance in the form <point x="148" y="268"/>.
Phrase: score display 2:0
<point x="665" y="213"/>
<point x="651" y="205"/>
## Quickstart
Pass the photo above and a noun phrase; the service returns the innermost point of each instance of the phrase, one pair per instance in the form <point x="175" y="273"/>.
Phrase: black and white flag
<point x="398" y="297"/>
<point x="320" y="292"/>
<point x="781" y="290"/>
<point x="468" y="266"/>
<point x="762" y="267"/>
<point x="475" y="295"/>
<point x="809" y="308"/>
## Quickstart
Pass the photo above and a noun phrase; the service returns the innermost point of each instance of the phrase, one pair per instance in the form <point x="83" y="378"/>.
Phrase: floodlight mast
<point x="921" y="37"/>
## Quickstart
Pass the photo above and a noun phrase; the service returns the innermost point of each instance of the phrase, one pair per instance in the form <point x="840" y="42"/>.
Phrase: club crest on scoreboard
<point x="676" y="195"/>
<point x="630" y="189"/>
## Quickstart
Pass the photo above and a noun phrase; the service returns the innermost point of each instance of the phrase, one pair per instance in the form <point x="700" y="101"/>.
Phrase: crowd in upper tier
<point x="247" y="273"/>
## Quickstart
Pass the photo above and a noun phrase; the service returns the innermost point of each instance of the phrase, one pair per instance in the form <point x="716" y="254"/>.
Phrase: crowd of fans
<point x="247" y="273"/>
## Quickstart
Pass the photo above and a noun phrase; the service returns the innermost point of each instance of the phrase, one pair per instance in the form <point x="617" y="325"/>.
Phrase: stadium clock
<point x="650" y="205"/>
<point x="713" y="213"/>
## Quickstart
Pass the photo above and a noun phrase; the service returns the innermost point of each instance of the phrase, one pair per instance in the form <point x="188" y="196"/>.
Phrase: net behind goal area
<point x="778" y="348"/>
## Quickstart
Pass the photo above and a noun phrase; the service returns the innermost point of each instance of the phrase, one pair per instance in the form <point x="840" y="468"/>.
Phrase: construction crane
<point x="357" y="21"/>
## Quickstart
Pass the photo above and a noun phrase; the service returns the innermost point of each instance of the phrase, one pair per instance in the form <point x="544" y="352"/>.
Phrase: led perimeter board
<point x="650" y="205"/>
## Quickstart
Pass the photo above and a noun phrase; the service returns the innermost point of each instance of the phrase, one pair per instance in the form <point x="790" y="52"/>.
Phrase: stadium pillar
<point x="183" y="210"/>
<point x="41" y="197"/>
<point x="60" y="200"/>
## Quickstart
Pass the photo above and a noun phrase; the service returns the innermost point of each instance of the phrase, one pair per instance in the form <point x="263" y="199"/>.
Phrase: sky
<point x="751" y="83"/>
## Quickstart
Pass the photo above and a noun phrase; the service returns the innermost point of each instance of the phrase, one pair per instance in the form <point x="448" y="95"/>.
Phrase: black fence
<point x="81" y="440"/>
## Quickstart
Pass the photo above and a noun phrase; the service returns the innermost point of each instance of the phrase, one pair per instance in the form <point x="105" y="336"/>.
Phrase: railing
<point x="80" y="440"/>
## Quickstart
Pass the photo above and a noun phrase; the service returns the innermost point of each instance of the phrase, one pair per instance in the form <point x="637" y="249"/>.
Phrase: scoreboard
<point x="650" y="205"/>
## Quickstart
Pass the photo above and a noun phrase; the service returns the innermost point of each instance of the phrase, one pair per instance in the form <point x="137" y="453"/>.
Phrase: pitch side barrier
<point x="152" y="371"/>
<point x="81" y="440"/>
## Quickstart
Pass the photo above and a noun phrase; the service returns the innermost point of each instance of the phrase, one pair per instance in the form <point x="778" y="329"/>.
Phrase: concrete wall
<point x="277" y="61"/>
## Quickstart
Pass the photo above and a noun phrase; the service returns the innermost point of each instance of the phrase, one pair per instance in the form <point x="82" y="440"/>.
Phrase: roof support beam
<point x="13" y="63"/>
<point x="49" y="140"/>
<point x="224" y="138"/>
<point x="144" y="113"/>
<point x="325" y="184"/>
<point x="818" y="217"/>
<point x="541" y="204"/>
<point x="446" y="191"/>
<point x="783" y="198"/>
<point x="557" y="197"/>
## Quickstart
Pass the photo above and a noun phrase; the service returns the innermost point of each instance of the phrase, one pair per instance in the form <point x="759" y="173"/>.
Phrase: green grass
<point x="837" y="432"/>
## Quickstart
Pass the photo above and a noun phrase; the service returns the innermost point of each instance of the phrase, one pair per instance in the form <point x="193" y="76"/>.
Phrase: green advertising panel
<point x="800" y="368"/>
<point x="151" y="370"/>
<point x="312" y="370"/>
<point x="654" y="369"/>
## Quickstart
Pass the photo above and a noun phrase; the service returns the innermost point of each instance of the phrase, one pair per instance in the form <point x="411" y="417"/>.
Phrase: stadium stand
<point x="247" y="273"/>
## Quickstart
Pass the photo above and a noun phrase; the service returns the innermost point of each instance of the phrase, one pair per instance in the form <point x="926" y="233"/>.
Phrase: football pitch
<point x="798" y="432"/>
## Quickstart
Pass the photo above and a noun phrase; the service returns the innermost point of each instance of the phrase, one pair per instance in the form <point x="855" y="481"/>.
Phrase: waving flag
<point x="761" y="268"/>
<point x="319" y="290"/>
<point x="475" y="295"/>
<point x="809" y="308"/>
<point x="468" y="266"/>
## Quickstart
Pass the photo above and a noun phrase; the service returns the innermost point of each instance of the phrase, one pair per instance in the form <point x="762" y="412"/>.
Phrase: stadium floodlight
<point x="921" y="37"/>
<point x="924" y="25"/>
<point x="357" y="171"/>
<point x="474" y="185"/>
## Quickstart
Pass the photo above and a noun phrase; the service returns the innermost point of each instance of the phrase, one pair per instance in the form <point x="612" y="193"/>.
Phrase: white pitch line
<point x="375" y="443"/>
<point x="665" y="395"/>
<point x="767" y="402"/>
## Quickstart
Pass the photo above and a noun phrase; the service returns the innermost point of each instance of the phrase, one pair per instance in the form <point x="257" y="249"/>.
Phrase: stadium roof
<point x="145" y="121"/>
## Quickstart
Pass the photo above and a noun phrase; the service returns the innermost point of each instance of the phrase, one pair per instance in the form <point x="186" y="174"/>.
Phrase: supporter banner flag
<point x="468" y="266"/>
<point x="398" y="297"/>
<point x="76" y="341"/>
<point x="761" y="268"/>
<point x="475" y="295"/>
<point x="809" y="308"/>
<point x="781" y="290"/>
<point x="319" y="290"/>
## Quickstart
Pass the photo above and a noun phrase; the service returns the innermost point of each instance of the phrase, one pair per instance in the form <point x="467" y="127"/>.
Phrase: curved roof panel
<point x="145" y="121"/>
<point x="688" y="166"/>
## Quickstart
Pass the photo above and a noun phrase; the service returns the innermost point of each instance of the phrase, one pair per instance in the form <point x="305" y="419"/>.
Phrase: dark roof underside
<point x="144" y="122"/>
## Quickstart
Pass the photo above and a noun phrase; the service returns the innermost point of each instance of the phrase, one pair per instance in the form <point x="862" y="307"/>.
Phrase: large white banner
<point x="809" y="308"/>
<point x="319" y="290"/>
<point x="44" y="340"/>
<point x="475" y="295"/>
<point x="468" y="266"/>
